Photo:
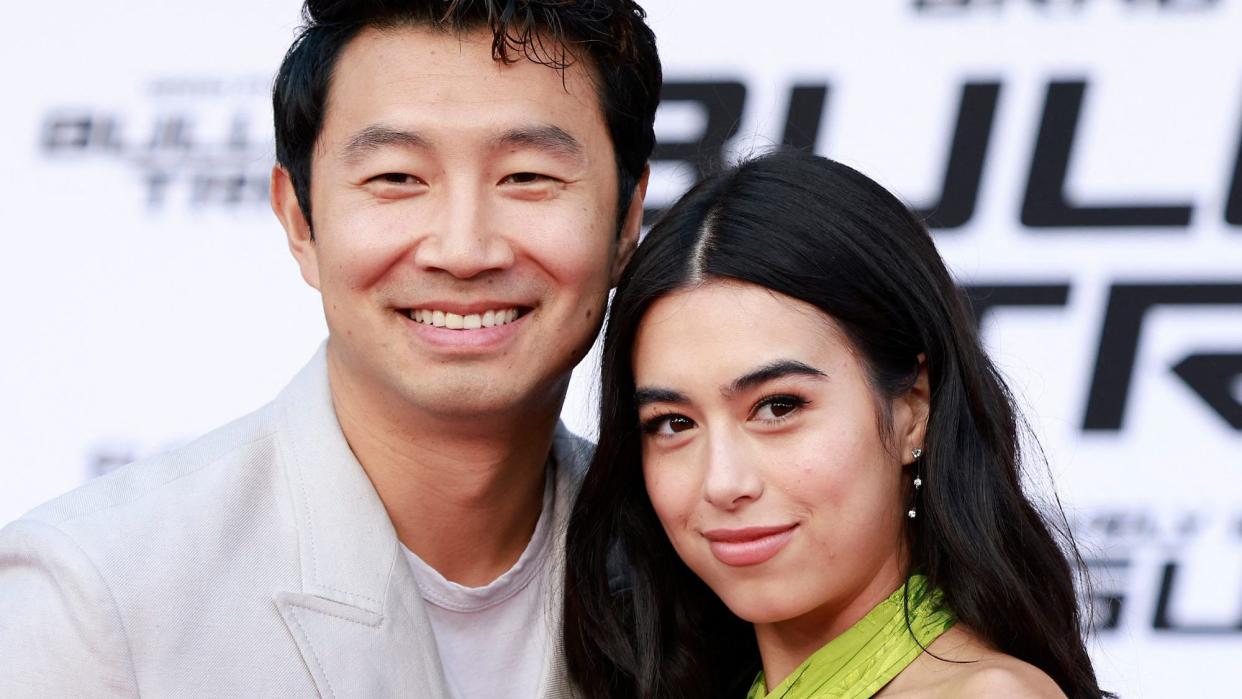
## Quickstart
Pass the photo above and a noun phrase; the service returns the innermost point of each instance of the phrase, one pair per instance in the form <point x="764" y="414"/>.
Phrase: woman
<point x="807" y="481"/>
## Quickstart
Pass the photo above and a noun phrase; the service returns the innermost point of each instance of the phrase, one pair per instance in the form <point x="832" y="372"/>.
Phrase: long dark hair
<point x="638" y="622"/>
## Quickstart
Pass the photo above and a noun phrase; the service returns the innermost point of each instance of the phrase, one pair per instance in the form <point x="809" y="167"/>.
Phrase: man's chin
<point x="484" y="399"/>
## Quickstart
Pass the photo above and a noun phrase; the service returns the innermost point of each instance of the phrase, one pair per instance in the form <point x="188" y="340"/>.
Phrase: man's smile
<point x="469" y="321"/>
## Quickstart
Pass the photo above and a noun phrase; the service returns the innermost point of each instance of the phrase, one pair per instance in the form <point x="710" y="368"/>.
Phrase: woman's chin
<point x="760" y="609"/>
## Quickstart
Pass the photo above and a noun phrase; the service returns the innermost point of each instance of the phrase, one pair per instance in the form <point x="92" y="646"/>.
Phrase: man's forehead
<point x="448" y="52"/>
<point x="419" y="66"/>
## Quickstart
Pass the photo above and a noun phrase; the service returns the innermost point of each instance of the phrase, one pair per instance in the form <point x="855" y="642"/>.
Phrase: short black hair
<point x="613" y="34"/>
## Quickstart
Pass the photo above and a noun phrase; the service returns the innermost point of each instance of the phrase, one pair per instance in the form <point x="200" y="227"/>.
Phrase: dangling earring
<point x="917" y="452"/>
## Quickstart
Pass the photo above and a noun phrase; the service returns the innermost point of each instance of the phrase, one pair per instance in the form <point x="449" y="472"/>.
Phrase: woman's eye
<point x="668" y="425"/>
<point x="777" y="407"/>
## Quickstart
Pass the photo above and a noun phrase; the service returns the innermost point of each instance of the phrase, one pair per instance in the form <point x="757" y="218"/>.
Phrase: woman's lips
<point x="749" y="546"/>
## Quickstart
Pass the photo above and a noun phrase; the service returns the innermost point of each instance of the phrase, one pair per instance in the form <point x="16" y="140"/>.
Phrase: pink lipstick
<point x="748" y="546"/>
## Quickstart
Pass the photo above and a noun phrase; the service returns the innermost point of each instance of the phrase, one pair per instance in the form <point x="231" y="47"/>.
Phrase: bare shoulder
<point x="959" y="664"/>
<point x="1004" y="676"/>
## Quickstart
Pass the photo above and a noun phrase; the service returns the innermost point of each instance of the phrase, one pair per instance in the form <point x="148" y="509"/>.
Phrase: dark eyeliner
<point x="797" y="402"/>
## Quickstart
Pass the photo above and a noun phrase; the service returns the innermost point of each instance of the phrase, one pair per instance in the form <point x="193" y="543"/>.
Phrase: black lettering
<point x="1211" y="376"/>
<point x="173" y="134"/>
<point x="805" y="116"/>
<point x="723" y="103"/>
<point x="229" y="189"/>
<point x="157" y="187"/>
<point x="67" y="133"/>
<point x="933" y="5"/>
<point x="1188" y="4"/>
<point x="105" y="459"/>
<point x="1123" y="323"/>
<point x="1161" y="620"/>
<point x="239" y="133"/>
<point x="1045" y="204"/>
<point x="968" y="151"/>
<point x="1233" y="204"/>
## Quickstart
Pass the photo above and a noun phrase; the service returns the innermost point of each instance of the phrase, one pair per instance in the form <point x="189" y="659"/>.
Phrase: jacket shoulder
<point x="147" y="483"/>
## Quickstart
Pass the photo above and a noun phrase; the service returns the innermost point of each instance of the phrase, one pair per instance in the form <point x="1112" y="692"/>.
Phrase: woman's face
<point x="764" y="457"/>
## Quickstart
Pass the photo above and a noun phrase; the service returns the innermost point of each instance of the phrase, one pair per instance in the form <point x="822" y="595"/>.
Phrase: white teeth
<point x="473" y="321"/>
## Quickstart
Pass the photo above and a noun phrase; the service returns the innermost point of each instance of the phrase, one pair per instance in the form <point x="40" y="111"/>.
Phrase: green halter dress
<point x="869" y="654"/>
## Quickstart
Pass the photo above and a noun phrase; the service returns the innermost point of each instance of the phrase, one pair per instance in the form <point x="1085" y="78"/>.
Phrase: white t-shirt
<point x="494" y="640"/>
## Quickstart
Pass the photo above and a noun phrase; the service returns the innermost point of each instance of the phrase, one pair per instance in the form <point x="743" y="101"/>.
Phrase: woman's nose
<point x="732" y="478"/>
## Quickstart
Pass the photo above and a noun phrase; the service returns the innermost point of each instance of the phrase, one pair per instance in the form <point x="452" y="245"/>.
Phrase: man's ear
<point x="631" y="226"/>
<point x="297" y="229"/>
<point x="910" y="414"/>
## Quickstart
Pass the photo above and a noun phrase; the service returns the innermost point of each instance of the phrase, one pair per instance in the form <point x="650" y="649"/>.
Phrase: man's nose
<point x="732" y="477"/>
<point x="465" y="238"/>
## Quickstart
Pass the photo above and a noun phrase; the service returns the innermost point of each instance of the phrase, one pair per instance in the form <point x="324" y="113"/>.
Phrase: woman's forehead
<point x="724" y="329"/>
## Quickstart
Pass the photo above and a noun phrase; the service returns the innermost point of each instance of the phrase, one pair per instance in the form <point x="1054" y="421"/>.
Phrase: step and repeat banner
<point x="1080" y="162"/>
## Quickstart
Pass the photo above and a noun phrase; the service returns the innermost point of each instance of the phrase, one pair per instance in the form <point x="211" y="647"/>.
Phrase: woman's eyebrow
<point x="650" y="394"/>
<point x="768" y="372"/>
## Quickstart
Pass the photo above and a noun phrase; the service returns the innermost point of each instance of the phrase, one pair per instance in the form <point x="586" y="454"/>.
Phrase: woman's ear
<point x="910" y="413"/>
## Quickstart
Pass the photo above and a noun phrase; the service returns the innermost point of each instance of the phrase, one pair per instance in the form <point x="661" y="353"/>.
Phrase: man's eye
<point x="526" y="178"/>
<point x="667" y="425"/>
<point x="400" y="178"/>
<point x="777" y="407"/>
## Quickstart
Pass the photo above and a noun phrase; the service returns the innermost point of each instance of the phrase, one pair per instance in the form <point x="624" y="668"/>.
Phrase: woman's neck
<point x="786" y="644"/>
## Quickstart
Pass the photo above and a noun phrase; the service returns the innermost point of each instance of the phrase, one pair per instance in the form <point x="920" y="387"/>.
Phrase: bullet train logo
<point x="1044" y="205"/>
<point x="1162" y="570"/>
<point x="195" y="143"/>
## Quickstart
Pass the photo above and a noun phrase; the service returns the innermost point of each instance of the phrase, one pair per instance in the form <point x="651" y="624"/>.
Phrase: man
<point x="463" y="182"/>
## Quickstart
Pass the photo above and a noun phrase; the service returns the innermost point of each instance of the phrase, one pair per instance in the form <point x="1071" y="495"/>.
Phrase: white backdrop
<point x="1093" y="184"/>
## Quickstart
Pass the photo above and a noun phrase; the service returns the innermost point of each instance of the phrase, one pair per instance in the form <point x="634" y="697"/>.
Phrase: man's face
<point x="464" y="216"/>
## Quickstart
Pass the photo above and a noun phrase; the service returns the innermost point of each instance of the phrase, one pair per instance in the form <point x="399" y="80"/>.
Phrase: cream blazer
<point x="257" y="561"/>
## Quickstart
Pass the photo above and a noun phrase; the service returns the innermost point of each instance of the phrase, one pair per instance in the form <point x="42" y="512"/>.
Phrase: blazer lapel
<point x="352" y="652"/>
<point x="358" y="620"/>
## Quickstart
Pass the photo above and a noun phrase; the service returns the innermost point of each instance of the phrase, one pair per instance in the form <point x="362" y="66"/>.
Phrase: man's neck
<point x="463" y="495"/>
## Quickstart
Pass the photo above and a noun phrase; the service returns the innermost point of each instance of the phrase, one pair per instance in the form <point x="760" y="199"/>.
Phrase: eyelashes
<point x="773" y="410"/>
<point x="668" y="423"/>
<point x="777" y="408"/>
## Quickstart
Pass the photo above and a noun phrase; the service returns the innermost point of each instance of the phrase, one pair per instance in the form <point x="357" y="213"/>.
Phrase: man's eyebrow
<point x="377" y="136"/>
<point x="545" y="137"/>
<point x="645" y="395"/>
<point x="770" y="371"/>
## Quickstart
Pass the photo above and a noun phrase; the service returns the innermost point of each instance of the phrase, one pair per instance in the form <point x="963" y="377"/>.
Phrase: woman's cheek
<point x="669" y="493"/>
